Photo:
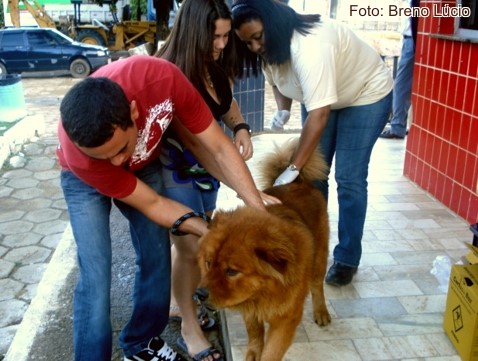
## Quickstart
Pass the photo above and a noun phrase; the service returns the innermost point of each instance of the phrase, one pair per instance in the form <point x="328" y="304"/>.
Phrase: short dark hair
<point x="279" y="21"/>
<point x="92" y="109"/>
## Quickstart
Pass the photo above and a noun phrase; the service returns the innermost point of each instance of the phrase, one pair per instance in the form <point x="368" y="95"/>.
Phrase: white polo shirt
<point x="331" y="66"/>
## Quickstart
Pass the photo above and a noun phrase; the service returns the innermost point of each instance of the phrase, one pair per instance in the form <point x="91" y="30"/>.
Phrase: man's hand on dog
<point x="267" y="199"/>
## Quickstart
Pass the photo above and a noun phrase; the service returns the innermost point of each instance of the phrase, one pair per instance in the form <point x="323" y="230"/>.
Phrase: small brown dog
<point x="264" y="263"/>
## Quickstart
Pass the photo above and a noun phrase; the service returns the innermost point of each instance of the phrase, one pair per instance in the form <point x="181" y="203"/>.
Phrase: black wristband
<point x="241" y="126"/>
<point x="174" y="229"/>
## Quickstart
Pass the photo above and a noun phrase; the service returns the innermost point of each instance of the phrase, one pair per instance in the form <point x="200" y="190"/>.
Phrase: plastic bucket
<point x="12" y="99"/>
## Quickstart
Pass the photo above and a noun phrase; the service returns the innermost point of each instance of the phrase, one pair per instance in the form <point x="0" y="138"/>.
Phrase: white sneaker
<point x="157" y="350"/>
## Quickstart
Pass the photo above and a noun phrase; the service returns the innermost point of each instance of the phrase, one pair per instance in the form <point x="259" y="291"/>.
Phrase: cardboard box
<point x="461" y="313"/>
<point x="472" y="256"/>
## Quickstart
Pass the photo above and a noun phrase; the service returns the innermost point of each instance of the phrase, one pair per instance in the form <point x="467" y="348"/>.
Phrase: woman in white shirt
<point x="346" y="89"/>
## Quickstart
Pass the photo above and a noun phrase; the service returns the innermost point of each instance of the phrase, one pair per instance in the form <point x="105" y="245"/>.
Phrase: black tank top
<point x="223" y="91"/>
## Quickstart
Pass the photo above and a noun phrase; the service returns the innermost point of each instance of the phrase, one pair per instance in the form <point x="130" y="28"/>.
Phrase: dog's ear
<point x="277" y="258"/>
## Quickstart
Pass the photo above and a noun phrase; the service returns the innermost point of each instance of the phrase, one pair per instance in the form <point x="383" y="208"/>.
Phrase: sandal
<point x="206" y="322"/>
<point x="210" y="351"/>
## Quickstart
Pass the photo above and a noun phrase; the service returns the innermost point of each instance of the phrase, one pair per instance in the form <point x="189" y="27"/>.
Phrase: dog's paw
<point x="322" y="318"/>
<point x="252" y="356"/>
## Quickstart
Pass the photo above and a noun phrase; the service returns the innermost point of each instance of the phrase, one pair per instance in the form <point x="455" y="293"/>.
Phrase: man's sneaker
<point x="157" y="350"/>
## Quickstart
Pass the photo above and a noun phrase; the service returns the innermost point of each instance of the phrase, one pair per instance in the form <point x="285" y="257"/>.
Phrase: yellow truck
<point x="112" y="33"/>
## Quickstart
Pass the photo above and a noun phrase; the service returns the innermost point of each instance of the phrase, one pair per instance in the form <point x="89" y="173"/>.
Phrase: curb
<point x="62" y="264"/>
<point x="226" y="342"/>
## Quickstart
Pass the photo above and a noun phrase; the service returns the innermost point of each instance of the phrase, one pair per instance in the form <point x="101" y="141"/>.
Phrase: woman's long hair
<point x="190" y="43"/>
<point x="279" y="22"/>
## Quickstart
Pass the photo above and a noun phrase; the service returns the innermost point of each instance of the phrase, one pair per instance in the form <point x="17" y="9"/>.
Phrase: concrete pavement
<point x="33" y="214"/>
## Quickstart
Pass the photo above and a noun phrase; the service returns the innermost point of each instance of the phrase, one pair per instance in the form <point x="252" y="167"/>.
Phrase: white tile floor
<point x="394" y="308"/>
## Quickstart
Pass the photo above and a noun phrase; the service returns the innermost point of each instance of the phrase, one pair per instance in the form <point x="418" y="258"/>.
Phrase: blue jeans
<point x="402" y="88"/>
<point x="349" y="136"/>
<point x="200" y="201"/>
<point x="90" y="221"/>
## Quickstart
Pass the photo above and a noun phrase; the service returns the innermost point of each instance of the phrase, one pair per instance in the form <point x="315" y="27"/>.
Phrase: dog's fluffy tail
<point x="273" y="164"/>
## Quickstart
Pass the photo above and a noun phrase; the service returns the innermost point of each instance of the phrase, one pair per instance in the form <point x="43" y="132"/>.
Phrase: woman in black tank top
<point x="201" y="45"/>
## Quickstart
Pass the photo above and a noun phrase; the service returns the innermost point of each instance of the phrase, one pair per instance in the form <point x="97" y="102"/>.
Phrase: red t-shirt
<point x="161" y="92"/>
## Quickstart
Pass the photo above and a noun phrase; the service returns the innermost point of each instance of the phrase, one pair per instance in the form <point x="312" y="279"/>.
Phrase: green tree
<point x="140" y="7"/>
<point x="2" y="15"/>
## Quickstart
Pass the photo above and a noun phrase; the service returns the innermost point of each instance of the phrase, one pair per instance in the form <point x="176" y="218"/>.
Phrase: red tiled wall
<point x="442" y="146"/>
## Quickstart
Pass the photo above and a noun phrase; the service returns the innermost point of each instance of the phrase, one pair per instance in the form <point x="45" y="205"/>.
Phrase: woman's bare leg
<point x="185" y="280"/>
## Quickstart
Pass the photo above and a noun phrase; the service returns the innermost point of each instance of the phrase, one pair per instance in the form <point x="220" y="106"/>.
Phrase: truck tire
<point x="80" y="68"/>
<point x="3" y="69"/>
<point x="90" y="37"/>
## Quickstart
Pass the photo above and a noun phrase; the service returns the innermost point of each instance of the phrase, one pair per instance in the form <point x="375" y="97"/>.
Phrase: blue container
<point x="12" y="99"/>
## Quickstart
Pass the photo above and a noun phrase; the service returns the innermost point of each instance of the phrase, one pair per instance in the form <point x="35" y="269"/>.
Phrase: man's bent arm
<point x="227" y="158"/>
<point x="162" y="210"/>
<point x="220" y="157"/>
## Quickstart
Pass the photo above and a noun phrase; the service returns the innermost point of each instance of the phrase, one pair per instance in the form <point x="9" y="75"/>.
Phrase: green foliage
<point x="143" y="8"/>
<point x="101" y="2"/>
<point x="110" y="3"/>
<point x="2" y="15"/>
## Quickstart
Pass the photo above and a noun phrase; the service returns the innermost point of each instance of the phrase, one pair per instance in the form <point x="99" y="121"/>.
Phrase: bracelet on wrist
<point x="175" y="227"/>
<point x="240" y="126"/>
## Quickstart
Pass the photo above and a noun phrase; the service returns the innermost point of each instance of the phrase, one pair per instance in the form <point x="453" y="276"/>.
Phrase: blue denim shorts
<point x="199" y="201"/>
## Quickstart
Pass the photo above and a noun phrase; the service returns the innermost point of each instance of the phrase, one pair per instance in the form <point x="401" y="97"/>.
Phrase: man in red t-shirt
<point x="110" y="130"/>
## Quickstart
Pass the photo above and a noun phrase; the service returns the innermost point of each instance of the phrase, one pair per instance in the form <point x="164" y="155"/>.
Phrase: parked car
<point x="45" y="49"/>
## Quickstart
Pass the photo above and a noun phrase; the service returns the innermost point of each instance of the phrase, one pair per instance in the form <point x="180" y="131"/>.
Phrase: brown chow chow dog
<point x="264" y="263"/>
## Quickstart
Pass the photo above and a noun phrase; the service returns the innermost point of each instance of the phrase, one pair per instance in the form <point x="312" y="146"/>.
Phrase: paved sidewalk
<point x="32" y="211"/>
